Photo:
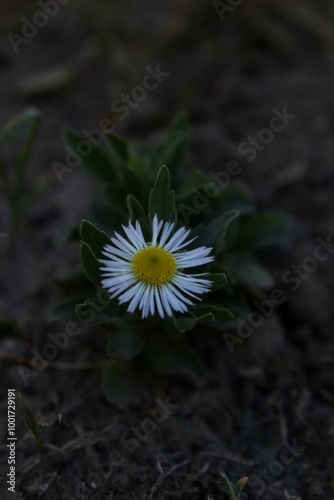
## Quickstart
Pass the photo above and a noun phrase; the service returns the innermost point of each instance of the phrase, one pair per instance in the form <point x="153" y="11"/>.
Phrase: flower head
<point x="149" y="276"/>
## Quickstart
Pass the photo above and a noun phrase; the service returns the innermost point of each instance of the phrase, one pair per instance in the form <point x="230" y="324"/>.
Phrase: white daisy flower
<point x="149" y="276"/>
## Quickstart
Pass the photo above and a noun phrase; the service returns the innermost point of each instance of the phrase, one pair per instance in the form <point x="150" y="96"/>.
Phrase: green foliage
<point x="214" y="234"/>
<point x="92" y="243"/>
<point x="36" y="426"/>
<point x="124" y="383"/>
<point x="218" y="280"/>
<point x="174" y="357"/>
<point x="246" y="270"/>
<point x="137" y="213"/>
<point x="109" y="314"/>
<point x="262" y="230"/>
<point x="93" y="237"/>
<point x="90" y="264"/>
<point x="234" y="491"/>
<point x="186" y="323"/>
<point x="96" y="162"/>
<point x="138" y="183"/>
<point x="17" y="141"/>
<point x="124" y="344"/>
<point x="173" y="149"/>
<point x="162" y="199"/>
<point x="119" y="146"/>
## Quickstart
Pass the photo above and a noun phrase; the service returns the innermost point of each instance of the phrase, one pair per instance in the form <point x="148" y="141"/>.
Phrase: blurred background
<point x="228" y="67"/>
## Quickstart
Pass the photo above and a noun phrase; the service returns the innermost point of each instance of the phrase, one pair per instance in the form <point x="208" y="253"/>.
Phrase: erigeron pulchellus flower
<point x="149" y="276"/>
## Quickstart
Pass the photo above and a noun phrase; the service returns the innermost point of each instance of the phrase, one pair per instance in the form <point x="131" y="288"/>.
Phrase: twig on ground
<point x="163" y="475"/>
<point x="75" y="444"/>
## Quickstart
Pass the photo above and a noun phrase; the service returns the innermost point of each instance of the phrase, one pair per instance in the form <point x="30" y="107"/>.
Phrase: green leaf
<point x="180" y="123"/>
<point x="124" y="344"/>
<point x="106" y="215"/>
<point x="229" y="487"/>
<point x="52" y="422"/>
<point x="237" y="303"/>
<point x="124" y="383"/>
<point x="118" y="144"/>
<point x="95" y="313"/>
<point x="251" y="273"/>
<point x="137" y="212"/>
<point x="35" y="426"/>
<point x="94" y="238"/>
<point x="237" y="196"/>
<point x="218" y="280"/>
<point x="29" y="417"/>
<point x="64" y="235"/>
<point x="65" y="309"/>
<point x="263" y="229"/>
<point x="28" y="122"/>
<point x="97" y="162"/>
<point x="162" y="199"/>
<point x="114" y="194"/>
<point x="214" y="234"/>
<point x="234" y="491"/>
<point x="25" y="117"/>
<point x="186" y="323"/>
<point x="196" y="179"/>
<point x="171" y="153"/>
<point x="169" y="357"/>
<point x="90" y="264"/>
<point x="240" y="486"/>
<point x="173" y="149"/>
<point x="216" y="310"/>
<point x="17" y="140"/>
<point x="139" y="163"/>
<point x="231" y="236"/>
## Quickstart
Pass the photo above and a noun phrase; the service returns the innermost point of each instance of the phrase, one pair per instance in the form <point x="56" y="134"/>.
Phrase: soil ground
<point x="276" y="390"/>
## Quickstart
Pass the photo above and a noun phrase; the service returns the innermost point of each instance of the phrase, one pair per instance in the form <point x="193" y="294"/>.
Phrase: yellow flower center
<point x="154" y="265"/>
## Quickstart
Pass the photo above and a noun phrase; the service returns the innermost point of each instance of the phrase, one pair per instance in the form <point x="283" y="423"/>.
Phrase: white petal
<point x="116" y="254"/>
<point x="137" y="296"/>
<point x="168" y="228"/>
<point x="175" y="303"/>
<point x="156" y="227"/>
<point x="144" y="302"/>
<point x="158" y="302"/>
<point x="191" y="286"/>
<point x="194" y="258"/>
<point x="129" y="294"/>
<point x="179" y="237"/>
<point x="152" y="295"/>
<point x="165" y="303"/>
<point x="115" y="280"/>
<point x="140" y="234"/>
<point x="177" y="245"/>
<point x="197" y="252"/>
<point x="123" y="244"/>
<point x="133" y="237"/>
<point x="179" y="295"/>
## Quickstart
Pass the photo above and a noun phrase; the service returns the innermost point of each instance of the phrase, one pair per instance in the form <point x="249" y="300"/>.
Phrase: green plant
<point x="17" y="140"/>
<point x="234" y="491"/>
<point x="137" y="187"/>
<point x="36" y="426"/>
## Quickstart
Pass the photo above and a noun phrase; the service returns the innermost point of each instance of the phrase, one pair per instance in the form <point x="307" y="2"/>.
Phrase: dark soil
<point x="277" y="387"/>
